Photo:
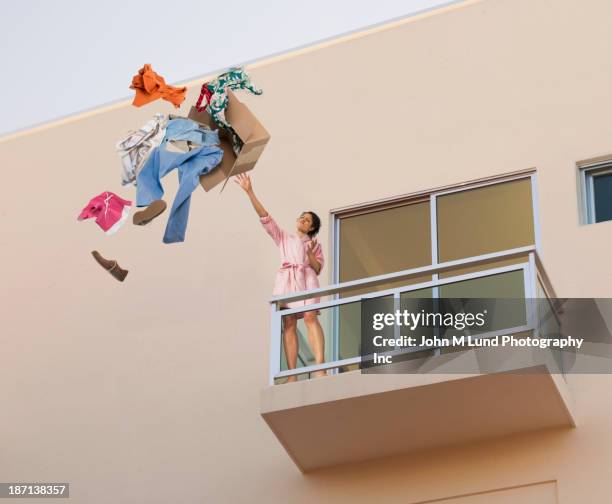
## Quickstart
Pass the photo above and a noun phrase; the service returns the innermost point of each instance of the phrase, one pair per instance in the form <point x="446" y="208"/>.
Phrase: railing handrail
<point x="532" y="268"/>
<point x="321" y="305"/>
<point x="405" y="274"/>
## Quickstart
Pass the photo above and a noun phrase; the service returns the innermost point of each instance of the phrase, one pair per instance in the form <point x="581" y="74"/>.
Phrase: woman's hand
<point x="310" y="252"/>
<point x="310" y="247"/>
<point x="244" y="181"/>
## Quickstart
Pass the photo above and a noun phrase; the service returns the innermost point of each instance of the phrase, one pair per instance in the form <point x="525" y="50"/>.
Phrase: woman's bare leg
<point x="291" y="343"/>
<point x="316" y="339"/>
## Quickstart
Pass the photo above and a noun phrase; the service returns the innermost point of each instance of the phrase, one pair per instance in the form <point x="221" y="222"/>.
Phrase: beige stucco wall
<point x="148" y="391"/>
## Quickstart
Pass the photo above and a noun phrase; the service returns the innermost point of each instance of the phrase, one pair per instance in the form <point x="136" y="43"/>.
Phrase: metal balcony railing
<point x="520" y="268"/>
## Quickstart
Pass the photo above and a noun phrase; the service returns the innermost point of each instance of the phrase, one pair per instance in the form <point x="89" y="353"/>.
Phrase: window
<point x="384" y="241"/>
<point x="596" y="181"/>
<point x="486" y="219"/>
<point x="428" y="229"/>
<point x="437" y="227"/>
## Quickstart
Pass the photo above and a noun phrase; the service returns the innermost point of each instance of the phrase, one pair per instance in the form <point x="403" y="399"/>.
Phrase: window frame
<point x="338" y="214"/>
<point x="587" y="174"/>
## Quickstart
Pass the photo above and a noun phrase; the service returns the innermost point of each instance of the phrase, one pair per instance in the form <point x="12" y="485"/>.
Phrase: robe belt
<point x="293" y="280"/>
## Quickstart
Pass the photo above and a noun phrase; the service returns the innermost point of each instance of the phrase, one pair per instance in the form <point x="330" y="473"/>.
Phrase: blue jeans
<point x="186" y="129"/>
<point x="190" y="166"/>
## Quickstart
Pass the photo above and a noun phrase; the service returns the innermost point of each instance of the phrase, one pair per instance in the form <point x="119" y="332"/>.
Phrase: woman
<point x="301" y="263"/>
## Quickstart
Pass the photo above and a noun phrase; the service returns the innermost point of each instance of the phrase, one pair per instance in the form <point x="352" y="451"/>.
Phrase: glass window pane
<point x="602" y="188"/>
<point x="341" y="325"/>
<point x="385" y="241"/>
<point x="349" y="330"/>
<point x="414" y="302"/>
<point x="305" y="355"/>
<point x="350" y="320"/>
<point x="508" y="285"/>
<point x="349" y="315"/>
<point x="508" y="289"/>
<point x="484" y="220"/>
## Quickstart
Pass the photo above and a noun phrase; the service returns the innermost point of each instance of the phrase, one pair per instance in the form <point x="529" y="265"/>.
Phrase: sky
<point x="61" y="57"/>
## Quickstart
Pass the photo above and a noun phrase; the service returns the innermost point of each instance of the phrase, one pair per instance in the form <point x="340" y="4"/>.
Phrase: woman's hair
<point x="316" y="223"/>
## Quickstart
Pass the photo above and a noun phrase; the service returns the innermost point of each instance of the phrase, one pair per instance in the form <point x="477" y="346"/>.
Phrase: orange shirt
<point x="150" y="86"/>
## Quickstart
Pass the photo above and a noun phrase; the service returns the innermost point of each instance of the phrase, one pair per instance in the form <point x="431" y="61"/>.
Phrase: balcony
<point x="430" y="397"/>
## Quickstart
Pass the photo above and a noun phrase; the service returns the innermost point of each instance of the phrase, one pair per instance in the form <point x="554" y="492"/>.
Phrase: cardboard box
<point x="250" y="131"/>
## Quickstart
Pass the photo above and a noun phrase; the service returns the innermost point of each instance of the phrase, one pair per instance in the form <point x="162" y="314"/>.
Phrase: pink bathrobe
<point x="295" y="273"/>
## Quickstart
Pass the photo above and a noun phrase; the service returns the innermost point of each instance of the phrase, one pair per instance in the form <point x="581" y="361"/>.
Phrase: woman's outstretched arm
<point x="244" y="181"/>
<point x="267" y="222"/>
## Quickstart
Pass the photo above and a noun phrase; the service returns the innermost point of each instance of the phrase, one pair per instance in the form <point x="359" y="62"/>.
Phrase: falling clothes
<point x="137" y="145"/>
<point x="109" y="210"/>
<point x="110" y="265"/>
<point x="150" y="86"/>
<point x="213" y="99"/>
<point x="150" y="212"/>
<point x="295" y="273"/>
<point x="187" y="130"/>
<point x="190" y="166"/>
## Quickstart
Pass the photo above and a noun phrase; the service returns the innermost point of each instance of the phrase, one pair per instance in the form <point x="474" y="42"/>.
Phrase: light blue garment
<point x="190" y="166"/>
<point x="188" y="130"/>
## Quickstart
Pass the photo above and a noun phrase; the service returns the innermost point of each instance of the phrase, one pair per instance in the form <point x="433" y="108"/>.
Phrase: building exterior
<point x="166" y="388"/>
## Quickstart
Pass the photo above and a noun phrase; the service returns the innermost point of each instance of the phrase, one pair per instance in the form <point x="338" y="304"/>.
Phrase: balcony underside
<point x="352" y="417"/>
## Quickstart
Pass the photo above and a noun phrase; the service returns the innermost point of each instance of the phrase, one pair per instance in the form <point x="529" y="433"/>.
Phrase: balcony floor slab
<point x="354" y="417"/>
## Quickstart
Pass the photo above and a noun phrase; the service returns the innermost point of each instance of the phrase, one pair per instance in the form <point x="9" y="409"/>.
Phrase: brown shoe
<point x="110" y="265"/>
<point x="148" y="214"/>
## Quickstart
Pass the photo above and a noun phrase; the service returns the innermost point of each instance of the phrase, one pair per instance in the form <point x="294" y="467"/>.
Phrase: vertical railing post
<point x="435" y="294"/>
<point x="334" y="337"/>
<point x="531" y="294"/>
<point x="435" y="256"/>
<point x="275" y="342"/>
<point x="335" y="311"/>
<point x="396" y="308"/>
